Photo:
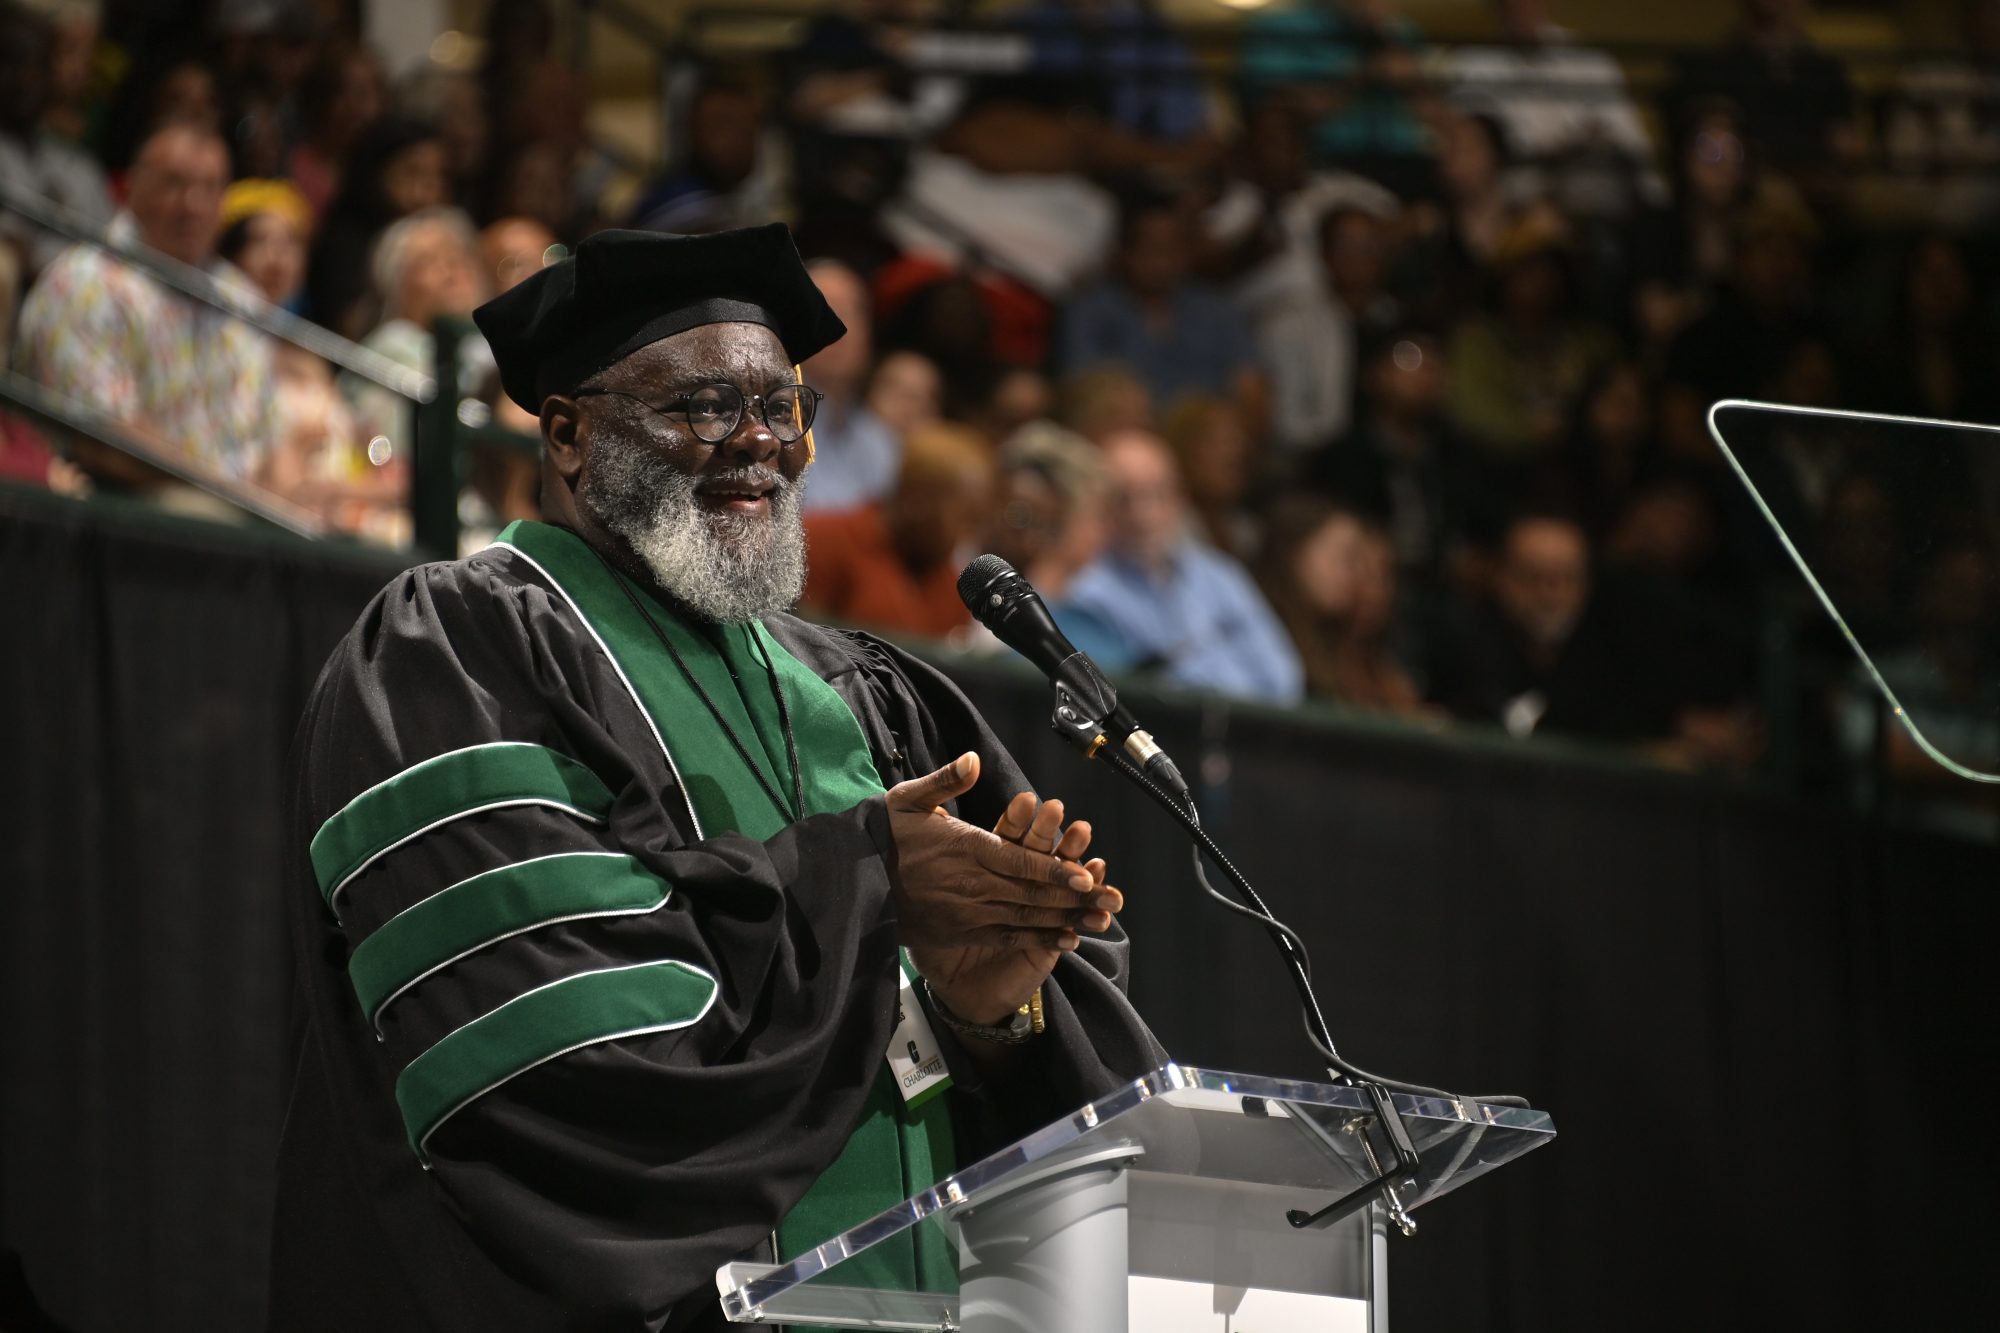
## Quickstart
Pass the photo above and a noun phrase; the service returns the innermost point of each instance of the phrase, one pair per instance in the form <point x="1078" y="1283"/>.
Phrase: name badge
<point x="914" y="1057"/>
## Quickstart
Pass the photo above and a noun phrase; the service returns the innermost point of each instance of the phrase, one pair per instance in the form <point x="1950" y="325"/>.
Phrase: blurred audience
<point x="31" y="158"/>
<point x="1216" y="453"/>
<point x="1612" y="448"/>
<point x="1354" y="66"/>
<point x="1405" y="467"/>
<point x="425" y="268"/>
<point x="451" y="100"/>
<point x="1479" y="201"/>
<point x="1184" y="609"/>
<point x="73" y="68"/>
<point x="1528" y="658"/>
<point x="1357" y="246"/>
<point x="1564" y="109"/>
<point x="1122" y="61"/>
<point x="1424" y="334"/>
<point x="1739" y="344"/>
<point x="1331" y="578"/>
<point x="319" y="458"/>
<point x="905" y="391"/>
<point x="181" y="377"/>
<point x="1103" y="402"/>
<point x="1946" y="682"/>
<point x="1797" y="101"/>
<point x="1933" y="356"/>
<point x="724" y="179"/>
<point x="857" y="453"/>
<point x="893" y="564"/>
<point x="395" y="168"/>
<point x="1520" y="365"/>
<point x="174" y="86"/>
<point x="514" y="248"/>
<point x="1684" y="249"/>
<point x="1152" y="318"/>
<point x="345" y="93"/>
<point x="1050" y="522"/>
<point x="1262" y="237"/>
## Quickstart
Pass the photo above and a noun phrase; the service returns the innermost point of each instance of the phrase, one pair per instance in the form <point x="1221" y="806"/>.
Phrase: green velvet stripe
<point x="895" y="1150"/>
<point x="447" y="787"/>
<point x="544" y="1023"/>
<point x="491" y="907"/>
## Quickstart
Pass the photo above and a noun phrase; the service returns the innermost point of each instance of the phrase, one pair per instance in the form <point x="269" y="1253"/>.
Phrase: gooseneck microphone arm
<point x="1087" y="714"/>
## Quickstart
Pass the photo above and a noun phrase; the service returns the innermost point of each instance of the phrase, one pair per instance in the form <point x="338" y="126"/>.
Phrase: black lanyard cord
<point x="777" y="691"/>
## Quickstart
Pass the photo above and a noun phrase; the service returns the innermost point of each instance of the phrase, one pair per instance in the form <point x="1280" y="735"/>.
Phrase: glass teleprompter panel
<point x="1891" y="520"/>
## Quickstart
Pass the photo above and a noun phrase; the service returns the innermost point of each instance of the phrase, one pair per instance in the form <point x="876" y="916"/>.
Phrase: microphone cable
<point x="1297" y="960"/>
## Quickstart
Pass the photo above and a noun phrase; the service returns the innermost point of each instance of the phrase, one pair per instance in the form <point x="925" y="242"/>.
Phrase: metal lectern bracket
<point x="1402" y="1174"/>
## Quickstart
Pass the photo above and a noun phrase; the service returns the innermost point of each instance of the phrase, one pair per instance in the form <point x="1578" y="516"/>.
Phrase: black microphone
<point x="1087" y="709"/>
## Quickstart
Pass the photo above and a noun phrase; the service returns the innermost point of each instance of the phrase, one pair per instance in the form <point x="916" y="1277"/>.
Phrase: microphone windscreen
<point x="976" y="578"/>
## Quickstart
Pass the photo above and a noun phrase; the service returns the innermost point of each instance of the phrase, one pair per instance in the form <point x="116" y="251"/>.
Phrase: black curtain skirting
<point x="1761" y="1027"/>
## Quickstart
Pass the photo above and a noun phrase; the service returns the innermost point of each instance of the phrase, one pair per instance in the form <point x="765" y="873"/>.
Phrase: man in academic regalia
<point x="616" y="882"/>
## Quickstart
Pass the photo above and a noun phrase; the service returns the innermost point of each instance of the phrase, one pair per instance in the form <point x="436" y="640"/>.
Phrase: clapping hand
<point x="983" y="977"/>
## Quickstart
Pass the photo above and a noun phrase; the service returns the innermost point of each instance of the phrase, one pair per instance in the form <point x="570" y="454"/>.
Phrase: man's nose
<point x="752" y="440"/>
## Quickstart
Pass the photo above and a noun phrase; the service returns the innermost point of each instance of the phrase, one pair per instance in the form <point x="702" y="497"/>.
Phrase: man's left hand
<point x="986" y="985"/>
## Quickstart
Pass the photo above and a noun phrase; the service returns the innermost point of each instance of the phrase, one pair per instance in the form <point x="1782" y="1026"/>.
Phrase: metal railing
<point x="441" y="427"/>
<point x="37" y="403"/>
<point x="201" y="286"/>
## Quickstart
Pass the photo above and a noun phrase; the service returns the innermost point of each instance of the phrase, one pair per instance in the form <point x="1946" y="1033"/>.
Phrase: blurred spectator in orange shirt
<point x="894" y="566"/>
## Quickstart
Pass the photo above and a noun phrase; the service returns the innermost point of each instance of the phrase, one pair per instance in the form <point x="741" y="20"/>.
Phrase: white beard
<point x="724" y="567"/>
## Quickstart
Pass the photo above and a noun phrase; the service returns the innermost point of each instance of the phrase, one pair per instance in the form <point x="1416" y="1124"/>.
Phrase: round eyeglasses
<point x="714" y="411"/>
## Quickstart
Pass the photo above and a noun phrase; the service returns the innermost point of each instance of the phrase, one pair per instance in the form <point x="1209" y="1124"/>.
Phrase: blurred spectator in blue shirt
<point x="1051" y="523"/>
<point x="1184" y="608"/>
<point x="1178" y="336"/>
<point x="856" y="453"/>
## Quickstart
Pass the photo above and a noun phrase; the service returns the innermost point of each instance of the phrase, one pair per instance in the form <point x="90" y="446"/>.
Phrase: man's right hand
<point x="959" y="886"/>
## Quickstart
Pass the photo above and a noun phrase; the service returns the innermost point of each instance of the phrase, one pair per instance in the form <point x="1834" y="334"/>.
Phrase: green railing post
<point x="434" y="477"/>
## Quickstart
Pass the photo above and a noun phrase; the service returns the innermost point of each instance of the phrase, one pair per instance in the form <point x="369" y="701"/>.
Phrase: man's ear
<point x="564" y="435"/>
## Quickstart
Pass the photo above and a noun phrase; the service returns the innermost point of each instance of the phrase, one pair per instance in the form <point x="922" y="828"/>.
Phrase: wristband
<point x="1022" y="1024"/>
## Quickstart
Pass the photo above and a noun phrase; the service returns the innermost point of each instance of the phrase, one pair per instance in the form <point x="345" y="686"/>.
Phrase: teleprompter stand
<point x="1187" y="1200"/>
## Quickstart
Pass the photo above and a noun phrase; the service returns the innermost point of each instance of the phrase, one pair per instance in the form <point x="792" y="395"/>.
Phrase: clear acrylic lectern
<point x="1171" y="1204"/>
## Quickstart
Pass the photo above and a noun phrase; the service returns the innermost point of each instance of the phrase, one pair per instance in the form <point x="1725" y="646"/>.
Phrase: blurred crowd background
<point x="1292" y="352"/>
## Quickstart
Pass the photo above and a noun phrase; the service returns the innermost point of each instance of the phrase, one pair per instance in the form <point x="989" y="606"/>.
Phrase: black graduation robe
<point x="487" y="727"/>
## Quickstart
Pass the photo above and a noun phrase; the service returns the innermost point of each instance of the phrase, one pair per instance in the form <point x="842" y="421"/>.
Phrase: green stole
<point x="897" y="1149"/>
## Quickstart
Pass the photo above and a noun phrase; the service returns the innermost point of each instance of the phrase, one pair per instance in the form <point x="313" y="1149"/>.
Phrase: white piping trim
<point x="375" y="1018"/>
<point x="333" y="897"/>
<point x="687" y="797"/>
<point x="714" y="989"/>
